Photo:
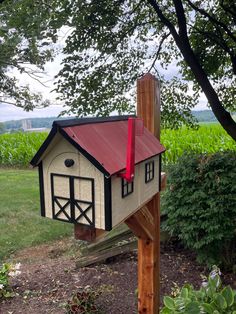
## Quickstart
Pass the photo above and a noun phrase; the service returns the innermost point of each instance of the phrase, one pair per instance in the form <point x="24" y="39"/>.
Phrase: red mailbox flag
<point x="135" y="128"/>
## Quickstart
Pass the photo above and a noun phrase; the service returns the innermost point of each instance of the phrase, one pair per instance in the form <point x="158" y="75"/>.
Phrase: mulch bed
<point x="48" y="279"/>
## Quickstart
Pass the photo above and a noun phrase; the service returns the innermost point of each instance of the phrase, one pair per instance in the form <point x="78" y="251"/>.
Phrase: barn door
<point x="73" y="199"/>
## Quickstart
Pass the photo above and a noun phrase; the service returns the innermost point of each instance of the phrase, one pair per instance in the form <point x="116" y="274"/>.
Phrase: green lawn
<point x="20" y="222"/>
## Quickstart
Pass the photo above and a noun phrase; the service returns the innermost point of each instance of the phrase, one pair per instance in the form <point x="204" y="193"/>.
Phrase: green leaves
<point x="201" y="207"/>
<point x="5" y="291"/>
<point x="210" y="299"/>
<point x="169" y="303"/>
<point x="26" y="39"/>
<point x="228" y="295"/>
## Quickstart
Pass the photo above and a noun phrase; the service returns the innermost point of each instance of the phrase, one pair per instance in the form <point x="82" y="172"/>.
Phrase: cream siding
<point x="53" y="162"/>
<point x="124" y="207"/>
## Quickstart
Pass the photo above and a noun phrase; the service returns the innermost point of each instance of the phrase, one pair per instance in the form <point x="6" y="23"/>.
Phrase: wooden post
<point x="148" y="108"/>
<point x="87" y="233"/>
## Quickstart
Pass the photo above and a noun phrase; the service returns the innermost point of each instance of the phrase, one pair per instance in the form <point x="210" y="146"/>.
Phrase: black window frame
<point x="149" y="171"/>
<point x="127" y="188"/>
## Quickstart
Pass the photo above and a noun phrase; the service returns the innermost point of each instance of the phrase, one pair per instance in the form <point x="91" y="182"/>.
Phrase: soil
<point x="49" y="277"/>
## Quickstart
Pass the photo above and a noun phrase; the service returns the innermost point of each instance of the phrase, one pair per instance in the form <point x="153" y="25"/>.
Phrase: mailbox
<point x="82" y="166"/>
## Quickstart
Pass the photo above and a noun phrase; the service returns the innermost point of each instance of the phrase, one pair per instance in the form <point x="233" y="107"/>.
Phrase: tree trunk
<point x="219" y="111"/>
<point x="182" y="41"/>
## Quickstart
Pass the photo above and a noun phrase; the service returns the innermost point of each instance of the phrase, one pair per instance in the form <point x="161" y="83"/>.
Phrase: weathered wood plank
<point x="141" y="223"/>
<point x="100" y="256"/>
<point x="163" y="181"/>
<point x="109" y="242"/>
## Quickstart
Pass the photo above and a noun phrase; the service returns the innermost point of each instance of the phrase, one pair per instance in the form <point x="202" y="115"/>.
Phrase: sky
<point x="11" y="112"/>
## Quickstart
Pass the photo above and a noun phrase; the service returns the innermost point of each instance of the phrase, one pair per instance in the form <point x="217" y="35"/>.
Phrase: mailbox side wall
<point x="53" y="162"/>
<point x="122" y="208"/>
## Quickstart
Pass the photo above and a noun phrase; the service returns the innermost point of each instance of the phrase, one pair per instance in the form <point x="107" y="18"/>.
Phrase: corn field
<point x="209" y="138"/>
<point x="18" y="149"/>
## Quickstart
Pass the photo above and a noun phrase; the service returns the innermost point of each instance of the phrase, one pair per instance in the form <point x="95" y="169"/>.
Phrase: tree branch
<point x="158" y="50"/>
<point x="163" y="19"/>
<point x="219" y="41"/>
<point x="213" y="20"/>
<point x="227" y="10"/>
<point x="190" y="58"/>
<point x="181" y="19"/>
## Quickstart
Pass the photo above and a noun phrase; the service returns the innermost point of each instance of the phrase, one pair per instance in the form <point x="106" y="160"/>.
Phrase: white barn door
<point x="73" y="199"/>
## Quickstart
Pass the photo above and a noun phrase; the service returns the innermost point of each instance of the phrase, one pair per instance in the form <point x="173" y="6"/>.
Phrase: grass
<point x="21" y="225"/>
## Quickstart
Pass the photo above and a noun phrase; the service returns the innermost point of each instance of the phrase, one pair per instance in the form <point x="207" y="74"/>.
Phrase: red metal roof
<point x="106" y="142"/>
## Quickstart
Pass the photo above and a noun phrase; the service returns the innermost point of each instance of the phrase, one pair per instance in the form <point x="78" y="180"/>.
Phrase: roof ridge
<point x="89" y="120"/>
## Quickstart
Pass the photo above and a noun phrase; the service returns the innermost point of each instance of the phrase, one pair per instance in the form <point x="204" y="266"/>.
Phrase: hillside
<point x="202" y="116"/>
<point x="35" y="123"/>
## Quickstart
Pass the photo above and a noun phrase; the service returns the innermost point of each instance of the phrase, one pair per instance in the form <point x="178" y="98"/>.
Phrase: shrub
<point x="7" y="271"/>
<point x="201" y="206"/>
<point x="211" y="298"/>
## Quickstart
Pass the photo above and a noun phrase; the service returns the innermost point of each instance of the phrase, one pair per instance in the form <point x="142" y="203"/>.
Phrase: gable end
<point x="84" y="152"/>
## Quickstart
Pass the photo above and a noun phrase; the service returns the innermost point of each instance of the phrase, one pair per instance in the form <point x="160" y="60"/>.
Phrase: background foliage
<point x="112" y="43"/>
<point x="201" y="205"/>
<point x="209" y="299"/>
<point x="26" y="39"/>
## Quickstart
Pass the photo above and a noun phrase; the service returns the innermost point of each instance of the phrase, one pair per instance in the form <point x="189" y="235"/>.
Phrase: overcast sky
<point x="11" y="112"/>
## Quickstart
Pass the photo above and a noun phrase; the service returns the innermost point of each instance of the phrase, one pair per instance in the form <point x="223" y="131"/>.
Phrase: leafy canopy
<point x="114" y="42"/>
<point x="26" y="35"/>
<point x="188" y="44"/>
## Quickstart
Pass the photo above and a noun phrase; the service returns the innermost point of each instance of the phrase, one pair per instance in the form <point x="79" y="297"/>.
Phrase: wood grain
<point x="145" y="223"/>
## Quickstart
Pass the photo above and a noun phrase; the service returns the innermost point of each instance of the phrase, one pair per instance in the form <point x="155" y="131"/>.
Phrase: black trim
<point x="84" y="152"/>
<point x="160" y="162"/>
<point x="42" y="148"/>
<point x="72" y="197"/>
<point x="72" y="202"/>
<point x="41" y="189"/>
<point x="108" y="203"/>
<point x="149" y="171"/>
<point x="81" y="121"/>
<point x="127" y="188"/>
<point x="58" y="124"/>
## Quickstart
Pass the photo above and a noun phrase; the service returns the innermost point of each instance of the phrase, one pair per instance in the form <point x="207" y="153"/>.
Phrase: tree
<point x="25" y="44"/>
<point x="114" y="42"/>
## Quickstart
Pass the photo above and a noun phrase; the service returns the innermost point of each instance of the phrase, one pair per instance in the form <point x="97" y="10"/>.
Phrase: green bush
<point x="201" y="206"/>
<point x="211" y="298"/>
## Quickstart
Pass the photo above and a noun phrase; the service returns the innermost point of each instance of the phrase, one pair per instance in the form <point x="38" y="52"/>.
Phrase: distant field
<point x="19" y="148"/>
<point x="209" y="138"/>
<point x="20" y="222"/>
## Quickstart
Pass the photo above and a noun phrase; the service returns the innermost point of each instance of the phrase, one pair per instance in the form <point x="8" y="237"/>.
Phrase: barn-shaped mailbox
<point x="80" y="171"/>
